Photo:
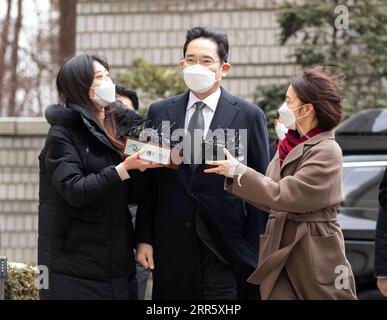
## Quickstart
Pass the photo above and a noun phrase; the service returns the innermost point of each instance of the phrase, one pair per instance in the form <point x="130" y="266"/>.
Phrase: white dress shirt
<point x="208" y="111"/>
<point x="122" y="173"/>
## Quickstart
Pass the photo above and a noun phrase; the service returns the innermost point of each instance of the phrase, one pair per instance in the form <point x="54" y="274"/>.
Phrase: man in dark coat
<point x="204" y="240"/>
<point x="381" y="239"/>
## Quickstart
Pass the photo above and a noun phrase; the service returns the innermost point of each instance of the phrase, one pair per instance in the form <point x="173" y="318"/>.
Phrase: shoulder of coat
<point x="169" y="101"/>
<point x="58" y="132"/>
<point x="327" y="149"/>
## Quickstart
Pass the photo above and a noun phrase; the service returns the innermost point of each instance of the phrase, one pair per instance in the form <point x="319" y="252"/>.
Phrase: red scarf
<point x="293" y="139"/>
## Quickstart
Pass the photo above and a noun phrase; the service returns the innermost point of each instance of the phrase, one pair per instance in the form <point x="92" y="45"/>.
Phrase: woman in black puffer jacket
<point x="85" y="229"/>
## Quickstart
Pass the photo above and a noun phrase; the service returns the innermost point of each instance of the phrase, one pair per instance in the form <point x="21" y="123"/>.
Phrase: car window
<point x="361" y="189"/>
<point x="370" y="122"/>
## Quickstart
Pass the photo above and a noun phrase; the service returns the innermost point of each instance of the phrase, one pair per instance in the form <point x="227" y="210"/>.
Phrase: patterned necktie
<point x="196" y="123"/>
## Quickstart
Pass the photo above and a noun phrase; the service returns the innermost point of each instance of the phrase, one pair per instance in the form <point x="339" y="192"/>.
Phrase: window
<point x="361" y="189"/>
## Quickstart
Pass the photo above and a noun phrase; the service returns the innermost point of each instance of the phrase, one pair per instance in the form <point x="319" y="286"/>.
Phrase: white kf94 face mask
<point x="287" y="116"/>
<point x="281" y="130"/>
<point x="198" y="78"/>
<point x="105" y="93"/>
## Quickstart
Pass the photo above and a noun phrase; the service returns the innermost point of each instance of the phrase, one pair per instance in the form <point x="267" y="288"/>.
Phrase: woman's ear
<point x="310" y="107"/>
<point x="307" y="107"/>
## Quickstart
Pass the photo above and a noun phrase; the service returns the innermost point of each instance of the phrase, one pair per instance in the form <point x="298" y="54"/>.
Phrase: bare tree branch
<point x="3" y="48"/>
<point x="14" y="61"/>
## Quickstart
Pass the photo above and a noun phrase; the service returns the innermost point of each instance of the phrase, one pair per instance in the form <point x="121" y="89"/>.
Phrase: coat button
<point x="188" y="224"/>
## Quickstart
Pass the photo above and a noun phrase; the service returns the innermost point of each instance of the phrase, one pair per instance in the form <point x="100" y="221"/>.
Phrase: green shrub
<point x="20" y="282"/>
<point x="152" y="82"/>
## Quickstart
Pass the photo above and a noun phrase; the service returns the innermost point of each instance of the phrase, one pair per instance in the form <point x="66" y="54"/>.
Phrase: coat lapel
<point x="293" y="155"/>
<point x="273" y="170"/>
<point x="225" y="111"/>
<point x="176" y="116"/>
<point x="299" y="150"/>
<point x="177" y="110"/>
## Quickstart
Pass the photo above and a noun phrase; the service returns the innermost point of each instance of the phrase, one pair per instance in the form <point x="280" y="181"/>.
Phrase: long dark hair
<point x="73" y="82"/>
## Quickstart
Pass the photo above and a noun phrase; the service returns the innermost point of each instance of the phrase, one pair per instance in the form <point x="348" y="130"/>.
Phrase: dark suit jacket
<point x="381" y="231"/>
<point x="166" y="215"/>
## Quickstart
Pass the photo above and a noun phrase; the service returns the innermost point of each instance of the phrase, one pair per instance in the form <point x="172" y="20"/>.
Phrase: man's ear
<point x="225" y="69"/>
<point x="181" y="63"/>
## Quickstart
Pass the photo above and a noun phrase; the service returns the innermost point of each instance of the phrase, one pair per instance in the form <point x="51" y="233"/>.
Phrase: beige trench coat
<point x="302" y="253"/>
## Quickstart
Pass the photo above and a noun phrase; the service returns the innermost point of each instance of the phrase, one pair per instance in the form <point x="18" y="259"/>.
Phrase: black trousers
<point x="218" y="279"/>
<point x="64" y="287"/>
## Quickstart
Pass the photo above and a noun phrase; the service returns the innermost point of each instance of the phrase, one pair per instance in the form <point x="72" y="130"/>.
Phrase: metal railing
<point x="3" y="276"/>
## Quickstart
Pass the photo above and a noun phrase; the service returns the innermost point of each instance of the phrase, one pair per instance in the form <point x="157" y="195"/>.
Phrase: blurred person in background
<point x="280" y="131"/>
<point x="127" y="97"/>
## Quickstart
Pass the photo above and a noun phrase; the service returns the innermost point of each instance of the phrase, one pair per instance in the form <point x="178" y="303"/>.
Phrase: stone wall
<point x="21" y="140"/>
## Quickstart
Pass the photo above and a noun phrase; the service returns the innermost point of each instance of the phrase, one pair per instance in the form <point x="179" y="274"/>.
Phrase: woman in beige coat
<point x="302" y="253"/>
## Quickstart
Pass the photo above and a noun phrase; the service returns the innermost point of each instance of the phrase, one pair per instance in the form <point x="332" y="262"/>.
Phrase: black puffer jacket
<point x="85" y="228"/>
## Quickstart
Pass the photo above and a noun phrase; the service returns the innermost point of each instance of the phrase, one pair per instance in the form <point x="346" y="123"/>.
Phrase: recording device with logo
<point x="152" y="152"/>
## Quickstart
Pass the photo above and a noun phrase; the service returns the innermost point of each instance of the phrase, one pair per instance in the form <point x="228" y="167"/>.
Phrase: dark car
<point x="363" y="139"/>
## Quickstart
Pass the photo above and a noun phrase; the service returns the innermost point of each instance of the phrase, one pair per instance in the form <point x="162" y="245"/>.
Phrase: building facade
<point x="155" y="31"/>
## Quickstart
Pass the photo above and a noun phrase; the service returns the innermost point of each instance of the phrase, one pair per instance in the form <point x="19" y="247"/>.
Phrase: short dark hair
<point x="219" y="38"/>
<point x="131" y="94"/>
<point x="323" y="90"/>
